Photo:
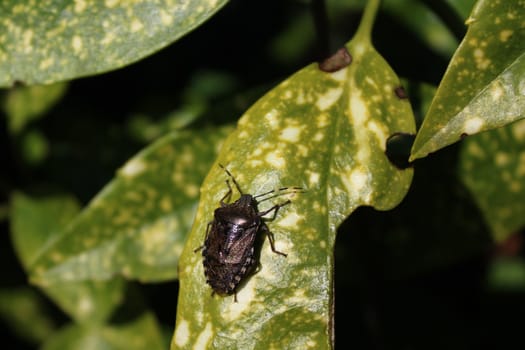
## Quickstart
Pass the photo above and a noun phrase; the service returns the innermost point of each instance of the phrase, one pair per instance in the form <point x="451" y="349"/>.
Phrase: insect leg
<point x="278" y="192"/>
<point x="205" y="237"/>
<point x="275" y="208"/>
<point x="228" y="194"/>
<point x="272" y="241"/>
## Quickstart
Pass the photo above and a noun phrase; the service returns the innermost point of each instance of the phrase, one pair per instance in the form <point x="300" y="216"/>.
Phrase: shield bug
<point x="228" y="250"/>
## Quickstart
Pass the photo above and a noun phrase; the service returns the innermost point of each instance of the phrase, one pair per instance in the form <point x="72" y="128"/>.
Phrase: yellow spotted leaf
<point x="48" y="41"/>
<point x="137" y="225"/>
<point x="492" y="166"/>
<point x="483" y="87"/>
<point x="326" y="132"/>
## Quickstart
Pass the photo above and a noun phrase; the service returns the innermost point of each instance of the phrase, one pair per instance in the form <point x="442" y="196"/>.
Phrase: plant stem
<point x="367" y="21"/>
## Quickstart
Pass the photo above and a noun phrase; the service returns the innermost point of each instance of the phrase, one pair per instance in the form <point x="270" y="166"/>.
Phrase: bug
<point x="228" y="251"/>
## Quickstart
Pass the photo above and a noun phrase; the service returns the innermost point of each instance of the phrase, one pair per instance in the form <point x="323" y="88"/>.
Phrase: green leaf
<point x="38" y="221"/>
<point x="87" y="301"/>
<point x="492" y="166"/>
<point x="43" y="42"/>
<point x="327" y="133"/>
<point x="34" y="221"/>
<point x="34" y="147"/>
<point x="137" y="225"/>
<point x="23" y="310"/>
<point x="138" y="334"/>
<point x="483" y="86"/>
<point x="462" y="7"/>
<point x="507" y="274"/>
<point x="26" y="103"/>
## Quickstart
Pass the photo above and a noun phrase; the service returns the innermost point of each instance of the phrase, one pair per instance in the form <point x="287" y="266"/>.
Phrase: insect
<point x="228" y="250"/>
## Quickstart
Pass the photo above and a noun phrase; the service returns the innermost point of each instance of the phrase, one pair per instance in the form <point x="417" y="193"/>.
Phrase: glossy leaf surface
<point x="48" y="41"/>
<point x="324" y="132"/>
<point x="483" y="87"/>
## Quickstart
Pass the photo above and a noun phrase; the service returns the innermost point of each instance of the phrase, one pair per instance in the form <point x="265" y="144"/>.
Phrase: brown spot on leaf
<point x="337" y="61"/>
<point x="510" y="247"/>
<point x="400" y="92"/>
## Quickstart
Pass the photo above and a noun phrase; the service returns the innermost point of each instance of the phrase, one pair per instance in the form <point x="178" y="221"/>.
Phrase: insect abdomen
<point x="224" y="278"/>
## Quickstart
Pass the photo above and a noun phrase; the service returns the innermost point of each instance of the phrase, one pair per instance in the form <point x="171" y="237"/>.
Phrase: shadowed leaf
<point x="26" y="103"/>
<point x="24" y="312"/>
<point x="37" y="221"/>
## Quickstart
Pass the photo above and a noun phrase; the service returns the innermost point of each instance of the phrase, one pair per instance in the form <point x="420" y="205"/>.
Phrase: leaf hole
<point x="398" y="148"/>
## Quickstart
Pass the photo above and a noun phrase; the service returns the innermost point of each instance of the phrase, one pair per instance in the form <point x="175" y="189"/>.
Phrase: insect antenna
<point x="278" y="192"/>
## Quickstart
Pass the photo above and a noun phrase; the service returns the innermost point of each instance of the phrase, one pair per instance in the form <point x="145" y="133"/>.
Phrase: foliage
<point x="110" y="181"/>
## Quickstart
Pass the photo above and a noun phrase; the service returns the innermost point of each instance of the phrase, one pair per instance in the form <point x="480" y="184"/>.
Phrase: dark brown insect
<point x="228" y="250"/>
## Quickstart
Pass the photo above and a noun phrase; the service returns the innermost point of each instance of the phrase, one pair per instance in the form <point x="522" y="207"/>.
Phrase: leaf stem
<point x="364" y="32"/>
